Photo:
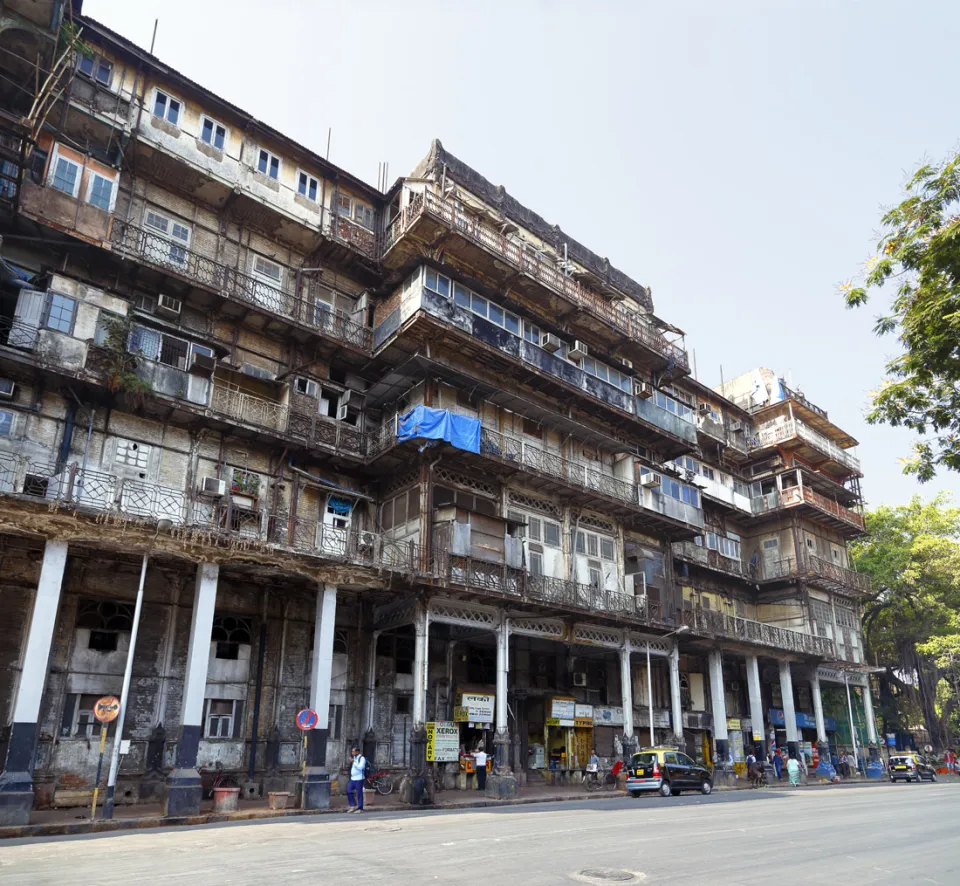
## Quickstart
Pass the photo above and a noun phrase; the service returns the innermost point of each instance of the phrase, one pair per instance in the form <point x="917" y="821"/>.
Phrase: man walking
<point x="358" y="764"/>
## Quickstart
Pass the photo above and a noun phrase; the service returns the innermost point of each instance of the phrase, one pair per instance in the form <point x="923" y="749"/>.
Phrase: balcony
<point x="428" y="316"/>
<point x="734" y="441"/>
<point x="810" y="445"/>
<point x="455" y="216"/>
<point x="818" y="572"/>
<point x="205" y="521"/>
<point x="300" y="309"/>
<point x="691" y="552"/>
<point x="733" y="627"/>
<point x="819" y="505"/>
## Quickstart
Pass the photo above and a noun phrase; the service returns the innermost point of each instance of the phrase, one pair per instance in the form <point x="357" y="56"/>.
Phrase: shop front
<point x="473" y="717"/>
<point x="560" y="735"/>
<point x="607" y="725"/>
<point x="807" y="731"/>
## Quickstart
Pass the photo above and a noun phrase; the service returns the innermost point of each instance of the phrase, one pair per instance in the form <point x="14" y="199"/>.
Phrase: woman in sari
<point x="793" y="770"/>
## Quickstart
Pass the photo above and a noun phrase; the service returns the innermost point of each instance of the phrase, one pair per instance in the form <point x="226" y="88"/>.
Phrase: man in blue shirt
<point x="355" y="788"/>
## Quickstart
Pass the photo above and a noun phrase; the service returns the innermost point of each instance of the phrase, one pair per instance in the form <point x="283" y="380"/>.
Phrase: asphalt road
<point x="890" y="834"/>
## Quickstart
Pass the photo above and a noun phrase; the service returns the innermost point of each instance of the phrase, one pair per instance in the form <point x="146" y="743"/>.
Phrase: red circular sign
<point x="307" y="719"/>
<point x="107" y="709"/>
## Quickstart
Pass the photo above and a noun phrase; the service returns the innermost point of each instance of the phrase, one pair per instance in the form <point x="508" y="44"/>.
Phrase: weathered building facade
<point x="399" y="457"/>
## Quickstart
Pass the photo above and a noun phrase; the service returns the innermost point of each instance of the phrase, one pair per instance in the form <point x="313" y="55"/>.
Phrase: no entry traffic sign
<point x="307" y="719"/>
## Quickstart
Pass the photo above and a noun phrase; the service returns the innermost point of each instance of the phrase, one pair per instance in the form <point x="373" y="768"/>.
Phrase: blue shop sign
<point x="804" y="721"/>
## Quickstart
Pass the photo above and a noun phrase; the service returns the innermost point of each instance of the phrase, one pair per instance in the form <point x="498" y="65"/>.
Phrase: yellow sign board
<point x="461" y="714"/>
<point x="583" y="722"/>
<point x="443" y="742"/>
<point x="553" y="721"/>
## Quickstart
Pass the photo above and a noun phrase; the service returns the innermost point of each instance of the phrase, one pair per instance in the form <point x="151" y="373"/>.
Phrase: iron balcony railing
<point x="217" y="521"/>
<point x="813" y="568"/>
<point x="734" y="627"/>
<point x="303" y="308"/>
<point x="781" y="432"/>
<point x="795" y="496"/>
<point x="688" y="550"/>
<point x="455" y="214"/>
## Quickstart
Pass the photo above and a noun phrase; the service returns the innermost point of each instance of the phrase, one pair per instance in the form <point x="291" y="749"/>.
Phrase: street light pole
<point x="679" y="630"/>
<point x="853" y="726"/>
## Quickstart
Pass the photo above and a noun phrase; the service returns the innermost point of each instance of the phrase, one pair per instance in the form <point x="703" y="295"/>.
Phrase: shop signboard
<point x="891" y="740"/>
<point x="804" y="721"/>
<point x="583" y="722"/>
<point x="479" y="707"/>
<point x="443" y="742"/>
<point x="581" y="711"/>
<point x="563" y="708"/>
<point x="733" y="723"/>
<point x="607" y="716"/>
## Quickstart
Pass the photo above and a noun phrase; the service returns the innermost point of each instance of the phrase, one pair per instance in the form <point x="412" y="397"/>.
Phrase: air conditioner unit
<point x="650" y="480"/>
<point x="579" y="351"/>
<point x="550" y="342"/>
<point x="169" y="306"/>
<point x="642" y="390"/>
<point x="366" y="541"/>
<point x="213" y="486"/>
<point x="704" y="409"/>
<point x="205" y="363"/>
<point x="580" y="679"/>
<point x="627" y="363"/>
<point x="736" y="426"/>
<point x="7" y="389"/>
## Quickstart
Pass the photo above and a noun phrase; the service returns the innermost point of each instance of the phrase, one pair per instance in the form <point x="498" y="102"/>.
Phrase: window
<point x="170" y="247"/>
<point x="401" y="509"/>
<point x="167" y="108"/>
<point x="532" y="429"/>
<point x="607" y="374"/>
<point x="100" y="192"/>
<point x="66" y="176"/>
<point x="267" y="270"/>
<point x="344" y="205"/>
<point x="335" y="722"/>
<point x="363" y="215"/>
<point x="308" y="186"/>
<point x="536" y="563"/>
<point x="78" y="719"/>
<point x="403" y="702"/>
<point x="223" y="718"/>
<point x="593" y="545"/>
<point x="596" y="574"/>
<point x="6" y="423"/>
<point x="551" y="533"/>
<point x="437" y="283"/>
<point x="133" y="454"/>
<point x="102" y="641"/>
<point x="673" y="406"/>
<point x="268" y="164"/>
<point x="675" y="489"/>
<point x="531" y="333"/>
<point x="96" y="68"/>
<point x="61" y="313"/>
<point x="213" y="133"/>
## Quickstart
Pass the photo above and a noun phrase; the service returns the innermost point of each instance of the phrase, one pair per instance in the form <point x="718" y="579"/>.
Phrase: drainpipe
<point x="258" y="692"/>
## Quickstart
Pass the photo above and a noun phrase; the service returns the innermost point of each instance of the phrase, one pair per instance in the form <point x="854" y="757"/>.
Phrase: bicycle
<point x="211" y="779"/>
<point x="380" y="781"/>
<point x="595" y="781"/>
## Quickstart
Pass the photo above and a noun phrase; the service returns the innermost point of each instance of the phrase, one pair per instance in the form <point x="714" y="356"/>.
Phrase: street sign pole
<point x="307" y="720"/>
<point x="105" y="711"/>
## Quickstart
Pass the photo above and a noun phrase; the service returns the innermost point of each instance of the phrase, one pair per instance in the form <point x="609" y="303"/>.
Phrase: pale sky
<point x="733" y="156"/>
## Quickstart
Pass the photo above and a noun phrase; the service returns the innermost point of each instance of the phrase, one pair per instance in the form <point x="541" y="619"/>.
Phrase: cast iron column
<point x="316" y="787"/>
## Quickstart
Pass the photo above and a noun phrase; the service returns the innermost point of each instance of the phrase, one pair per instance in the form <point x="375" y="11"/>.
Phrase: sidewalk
<point x="63" y="822"/>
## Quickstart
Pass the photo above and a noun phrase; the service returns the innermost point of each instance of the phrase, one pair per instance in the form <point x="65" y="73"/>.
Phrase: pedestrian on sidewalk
<point x="950" y="760"/>
<point x="480" y="759"/>
<point x="358" y="765"/>
<point x="778" y="765"/>
<point x="793" y="770"/>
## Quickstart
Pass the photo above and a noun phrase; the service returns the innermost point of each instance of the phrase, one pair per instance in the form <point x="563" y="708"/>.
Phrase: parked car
<point x="910" y="767"/>
<point x="667" y="771"/>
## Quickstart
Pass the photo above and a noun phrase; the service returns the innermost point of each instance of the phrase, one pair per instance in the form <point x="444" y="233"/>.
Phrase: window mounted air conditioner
<point x="203" y="363"/>
<point x="627" y="363"/>
<point x="213" y="486"/>
<point x="642" y="390"/>
<point x="579" y="351"/>
<point x="169" y="306"/>
<point x="550" y="342"/>
<point x="736" y="426"/>
<point x="580" y="679"/>
<point x="7" y="389"/>
<point x="704" y="409"/>
<point x="650" y="481"/>
<point x="366" y="541"/>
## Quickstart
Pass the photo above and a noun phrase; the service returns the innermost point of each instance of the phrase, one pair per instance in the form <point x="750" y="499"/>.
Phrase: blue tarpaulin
<point x="440" y="424"/>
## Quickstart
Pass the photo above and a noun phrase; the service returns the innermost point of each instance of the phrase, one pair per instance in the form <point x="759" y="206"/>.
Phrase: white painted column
<point x="789" y="709"/>
<point x="756" y="706"/>
<point x="316" y="786"/>
<point x="676" y="705"/>
<point x="372" y="684"/>
<point x="182" y="794"/>
<point x="872" y="735"/>
<point x="719" y="705"/>
<point x="626" y="694"/>
<point x="16" y="779"/>
<point x="421" y="654"/>
<point x="818" y="708"/>
<point x="502" y="732"/>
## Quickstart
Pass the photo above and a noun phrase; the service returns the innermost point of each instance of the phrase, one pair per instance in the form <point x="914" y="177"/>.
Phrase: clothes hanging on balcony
<point x="440" y="424"/>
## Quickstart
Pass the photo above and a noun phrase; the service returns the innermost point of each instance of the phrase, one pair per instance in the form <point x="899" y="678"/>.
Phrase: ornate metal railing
<point x="771" y="435"/>
<point x="542" y="268"/>
<point x="705" y="621"/>
<point x="795" y="496"/>
<point x="303" y="308"/>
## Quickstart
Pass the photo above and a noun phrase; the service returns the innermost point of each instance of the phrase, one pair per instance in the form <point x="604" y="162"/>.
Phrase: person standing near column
<point x="480" y="759"/>
<point x="358" y="765"/>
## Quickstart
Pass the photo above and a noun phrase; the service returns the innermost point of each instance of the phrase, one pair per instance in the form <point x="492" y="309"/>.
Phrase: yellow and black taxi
<point x="667" y="771"/>
<point x="908" y="766"/>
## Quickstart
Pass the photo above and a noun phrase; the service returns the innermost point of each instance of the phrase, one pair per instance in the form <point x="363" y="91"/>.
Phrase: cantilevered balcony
<point x="810" y="445"/>
<point x="429" y="218"/>
<point x="817" y="572"/>
<point x="691" y="552"/>
<point x="301" y="309"/>
<point x="817" y="505"/>
<point x="733" y="627"/>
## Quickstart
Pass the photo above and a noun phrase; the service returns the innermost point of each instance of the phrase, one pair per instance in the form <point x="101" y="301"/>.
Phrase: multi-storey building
<point x="399" y="457"/>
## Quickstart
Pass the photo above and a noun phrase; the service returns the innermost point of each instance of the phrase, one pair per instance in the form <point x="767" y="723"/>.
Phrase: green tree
<point x="918" y="255"/>
<point x="911" y="625"/>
